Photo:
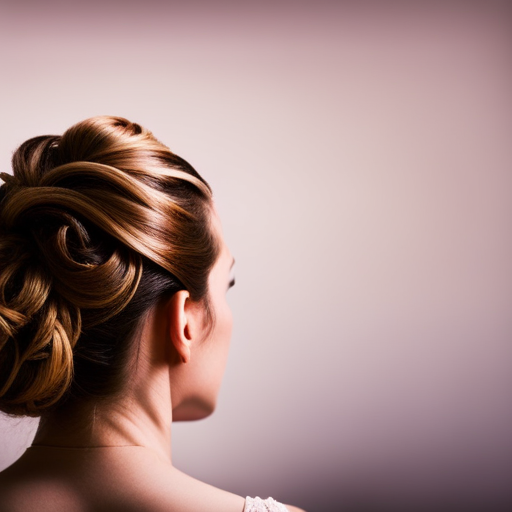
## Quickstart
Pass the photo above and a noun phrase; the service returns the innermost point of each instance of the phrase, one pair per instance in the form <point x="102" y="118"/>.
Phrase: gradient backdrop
<point x="361" y="158"/>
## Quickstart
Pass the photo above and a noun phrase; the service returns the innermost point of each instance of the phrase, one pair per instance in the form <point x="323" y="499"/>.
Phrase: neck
<point x="141" y="416"/>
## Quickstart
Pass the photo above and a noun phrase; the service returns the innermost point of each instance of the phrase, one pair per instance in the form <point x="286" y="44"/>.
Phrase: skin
<point x="116" y="456"/>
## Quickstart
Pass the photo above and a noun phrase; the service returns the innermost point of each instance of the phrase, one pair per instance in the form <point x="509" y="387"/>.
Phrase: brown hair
<point x="96" y="226"/>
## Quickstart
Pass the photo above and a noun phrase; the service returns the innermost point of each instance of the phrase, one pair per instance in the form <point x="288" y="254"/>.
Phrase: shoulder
<point x="21" y="489"/>
<point x="115" y="480"/>
<point x="21" y="495"/>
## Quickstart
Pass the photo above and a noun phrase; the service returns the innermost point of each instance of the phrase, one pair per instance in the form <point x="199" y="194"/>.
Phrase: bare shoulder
<point x="36" y="496"/>
<point x="117" y="480"/>
<point x="21" y="489"/>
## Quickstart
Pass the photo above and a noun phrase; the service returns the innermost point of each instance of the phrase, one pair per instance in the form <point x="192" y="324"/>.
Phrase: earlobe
<point x="180" y="330"/>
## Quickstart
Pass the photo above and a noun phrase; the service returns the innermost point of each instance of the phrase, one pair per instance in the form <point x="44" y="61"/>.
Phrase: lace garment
<point x="259" y="505"/>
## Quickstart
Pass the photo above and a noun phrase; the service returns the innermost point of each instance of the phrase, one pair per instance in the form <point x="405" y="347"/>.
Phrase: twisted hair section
<point x="96" y="226"/>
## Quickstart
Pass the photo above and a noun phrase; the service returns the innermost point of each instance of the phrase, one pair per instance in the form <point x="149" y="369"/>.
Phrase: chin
<point x="193" y="409"/>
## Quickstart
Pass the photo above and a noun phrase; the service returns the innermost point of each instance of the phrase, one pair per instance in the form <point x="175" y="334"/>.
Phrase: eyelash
<point x="231" y="283"/>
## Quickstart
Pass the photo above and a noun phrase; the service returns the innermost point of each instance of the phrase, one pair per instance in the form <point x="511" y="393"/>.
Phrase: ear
<point x="185" y="320"/>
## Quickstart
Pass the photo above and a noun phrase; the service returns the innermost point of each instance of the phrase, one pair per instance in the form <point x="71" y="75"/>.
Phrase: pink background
<point x="361" y="158"/>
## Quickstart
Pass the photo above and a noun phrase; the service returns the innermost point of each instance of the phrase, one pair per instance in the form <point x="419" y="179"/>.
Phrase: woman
<point x="113" y="321"/>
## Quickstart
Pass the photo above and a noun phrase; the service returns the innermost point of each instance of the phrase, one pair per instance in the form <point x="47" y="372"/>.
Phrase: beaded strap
<point x="259" y="505"/>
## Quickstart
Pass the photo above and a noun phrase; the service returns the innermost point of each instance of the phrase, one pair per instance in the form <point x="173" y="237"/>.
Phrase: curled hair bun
<point x="78" y="219"/>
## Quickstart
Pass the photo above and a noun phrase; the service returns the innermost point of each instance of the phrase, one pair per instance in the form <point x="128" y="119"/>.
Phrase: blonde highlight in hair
<point x="95" y="227"/>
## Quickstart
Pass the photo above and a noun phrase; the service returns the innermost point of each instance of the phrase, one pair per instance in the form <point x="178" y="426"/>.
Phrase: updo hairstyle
<point x="96" y="227"/>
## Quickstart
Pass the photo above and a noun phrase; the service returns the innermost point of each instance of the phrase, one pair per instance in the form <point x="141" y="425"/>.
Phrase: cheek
<point x="222" y="338"/>
<point x="228" y="322"/>
<point x="202" y="378"/>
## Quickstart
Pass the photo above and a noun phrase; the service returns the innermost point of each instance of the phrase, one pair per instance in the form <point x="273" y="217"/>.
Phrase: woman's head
<point x="96" y="227"/>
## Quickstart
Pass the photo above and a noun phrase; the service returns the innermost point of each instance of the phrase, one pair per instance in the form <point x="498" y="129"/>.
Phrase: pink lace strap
<point x="259" y="505"/>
